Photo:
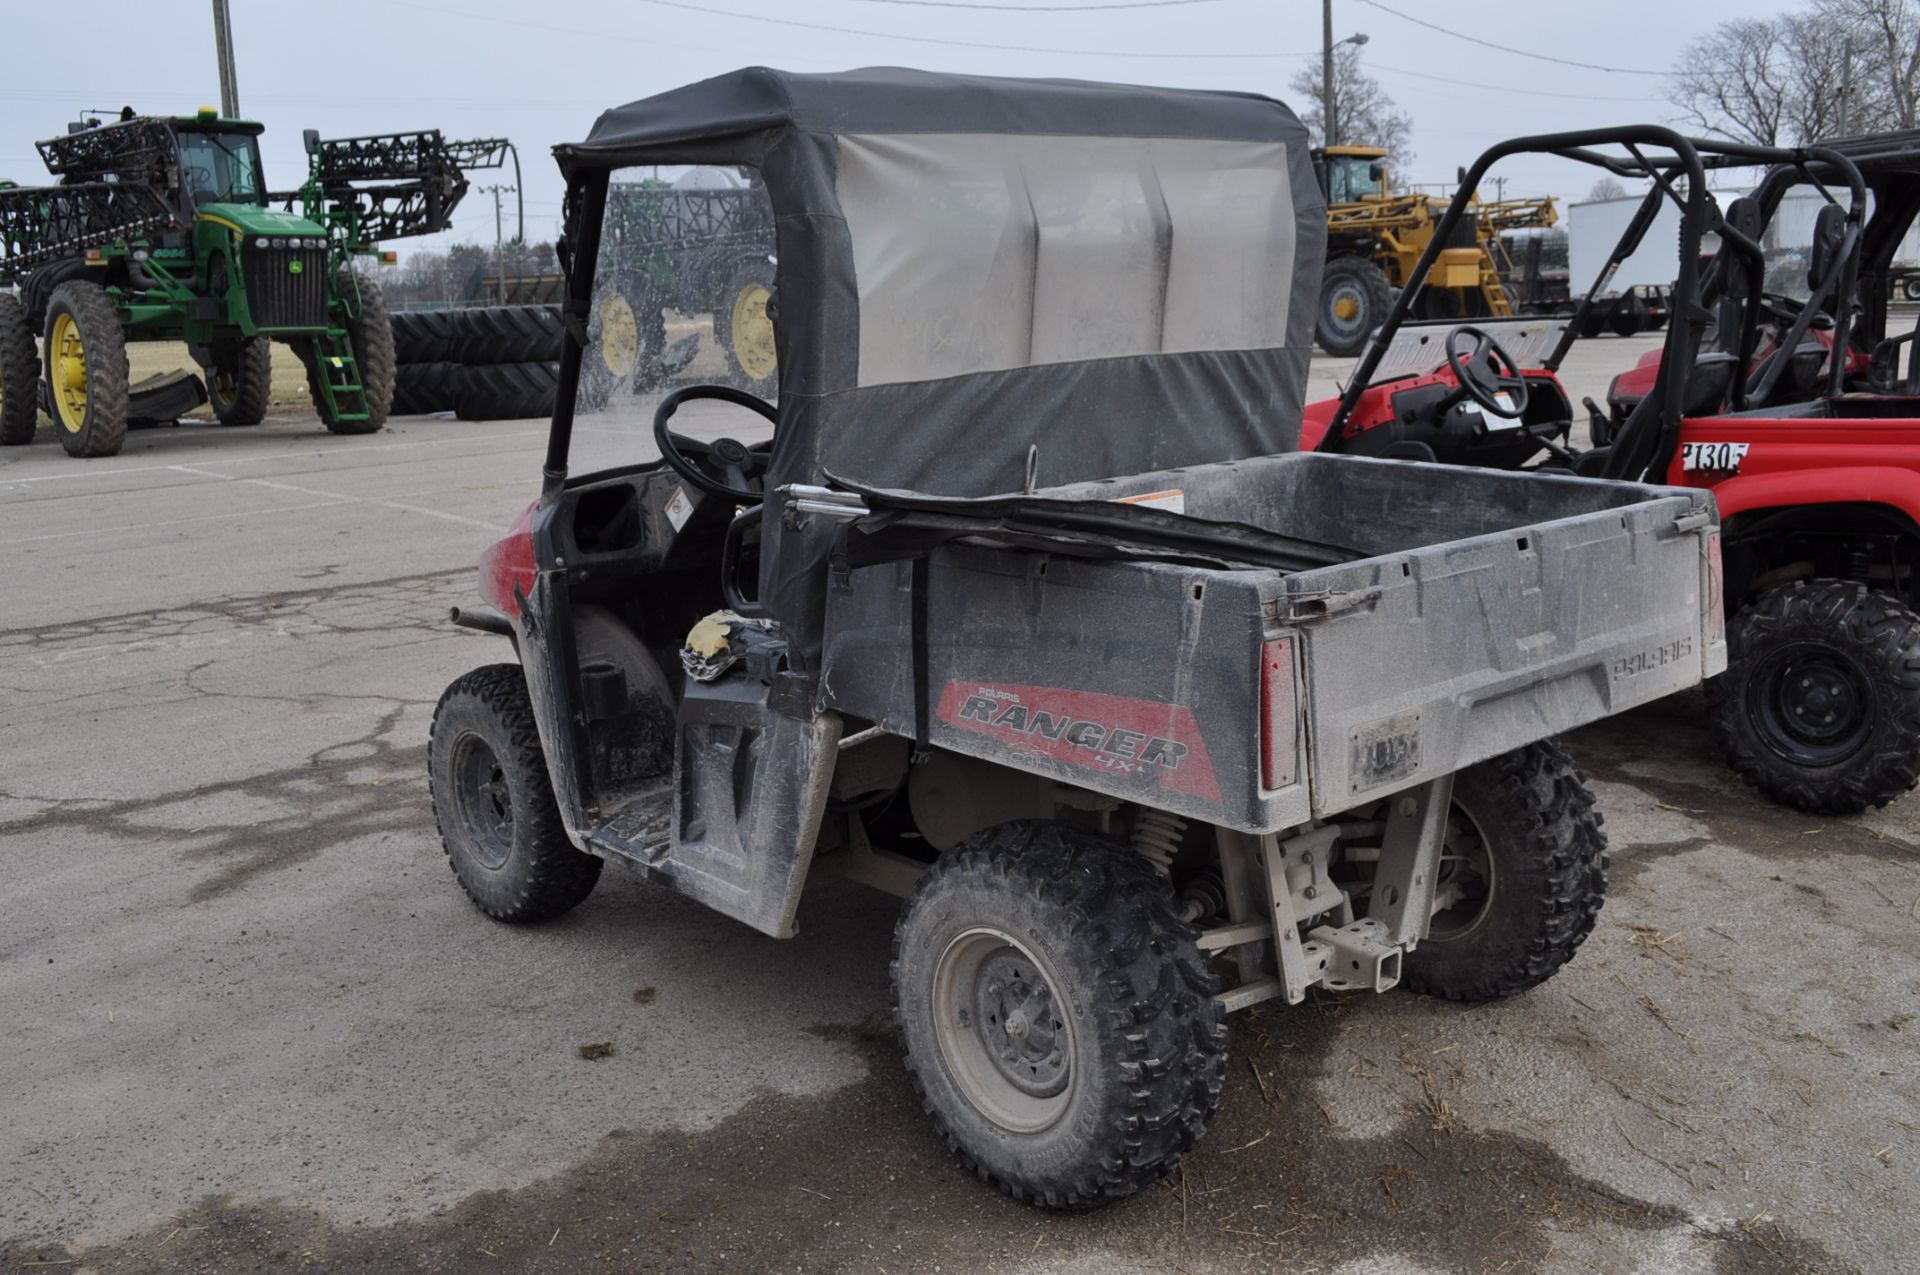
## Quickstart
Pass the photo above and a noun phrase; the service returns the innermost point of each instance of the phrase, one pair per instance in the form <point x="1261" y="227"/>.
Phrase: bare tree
<point x="1731" y="82"/>
<point x="1813" y="67"/>
<point x="1606" y="188"/>
<point x="1834" y="65"/>
<point x="1884" y="36"/>
<point x="1368" y="115"/>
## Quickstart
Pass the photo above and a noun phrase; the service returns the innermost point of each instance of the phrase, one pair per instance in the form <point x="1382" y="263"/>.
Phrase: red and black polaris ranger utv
<point x="1814" y="462"/>
<point x="1029" y="609"/>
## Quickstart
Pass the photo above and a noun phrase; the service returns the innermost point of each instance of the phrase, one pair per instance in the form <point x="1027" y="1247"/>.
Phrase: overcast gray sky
<point x="540" y="73"/>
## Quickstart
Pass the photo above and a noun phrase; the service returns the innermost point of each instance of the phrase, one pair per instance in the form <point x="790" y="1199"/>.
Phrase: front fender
<point x="1853" y="485"/>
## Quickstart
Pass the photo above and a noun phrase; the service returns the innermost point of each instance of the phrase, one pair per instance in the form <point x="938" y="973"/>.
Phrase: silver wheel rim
<point x="1467" y="870"/>
<point x="1006" y="1038"/>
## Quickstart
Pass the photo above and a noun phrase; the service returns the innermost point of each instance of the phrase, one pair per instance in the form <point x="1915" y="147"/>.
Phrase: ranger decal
<point x="1093" y="731"/>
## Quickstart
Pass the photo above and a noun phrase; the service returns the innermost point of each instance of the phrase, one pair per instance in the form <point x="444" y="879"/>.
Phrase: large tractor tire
<point x="1354" y="299"/>
<point x="506" y="391"/>
<point x="493" y="802"/>
<point x="626" y="337"/>
<point x="370" y="330"/>
<point x="423" y="336"/>
<point x="19" y="374"/>
<point x="743" y="325"/>
<point x="1057" y="1016"/>
<point x="1819" y="708"/>
<point x="240" y="382"/>
<point x="1523" y="875"/>
<point x="508" y="334"/>
<point x="419" y="388"/>
<point x="86" y="369"/>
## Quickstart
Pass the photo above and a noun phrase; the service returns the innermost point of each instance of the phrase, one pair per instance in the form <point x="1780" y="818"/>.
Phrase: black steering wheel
<point x="724" y="467"/>
<point x="1487" y="374"/>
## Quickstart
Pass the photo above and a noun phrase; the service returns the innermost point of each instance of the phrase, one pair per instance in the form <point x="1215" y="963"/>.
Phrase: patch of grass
<point x="288" y="387"/>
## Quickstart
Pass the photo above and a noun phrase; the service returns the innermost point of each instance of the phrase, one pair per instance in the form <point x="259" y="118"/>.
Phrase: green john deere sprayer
<point x="162" y="229"/>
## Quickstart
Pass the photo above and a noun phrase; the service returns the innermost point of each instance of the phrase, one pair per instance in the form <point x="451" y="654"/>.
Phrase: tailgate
<point x="1418" y="663"/>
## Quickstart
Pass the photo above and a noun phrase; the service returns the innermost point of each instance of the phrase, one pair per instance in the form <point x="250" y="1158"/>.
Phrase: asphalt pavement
<point x="252" y="1024"/>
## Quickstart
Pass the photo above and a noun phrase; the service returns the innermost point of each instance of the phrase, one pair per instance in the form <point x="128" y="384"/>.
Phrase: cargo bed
<point x="1465" y="613"/>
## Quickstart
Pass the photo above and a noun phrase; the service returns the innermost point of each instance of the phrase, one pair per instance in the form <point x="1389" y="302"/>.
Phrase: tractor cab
<point x="219" y="161"/>
<point x="1349" y="174"/>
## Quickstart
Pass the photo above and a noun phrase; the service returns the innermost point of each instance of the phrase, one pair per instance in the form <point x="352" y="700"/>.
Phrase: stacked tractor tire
<point x="493" y="363"/>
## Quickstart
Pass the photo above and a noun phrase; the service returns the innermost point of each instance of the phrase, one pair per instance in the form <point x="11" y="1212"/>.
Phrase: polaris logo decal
<point x="1647" y="661"/>
<point x="1124" y="737"/>
<point x="1722" y="458"/>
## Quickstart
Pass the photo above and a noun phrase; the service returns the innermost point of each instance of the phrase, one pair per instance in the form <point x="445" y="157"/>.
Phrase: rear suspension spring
<point x="1156" y="836"/>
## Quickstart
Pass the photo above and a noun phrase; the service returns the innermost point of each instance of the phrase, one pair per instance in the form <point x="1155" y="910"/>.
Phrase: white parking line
<point x="340" y="498"/>
<point x="162" y="467"/>
<point x="174" y="522"/>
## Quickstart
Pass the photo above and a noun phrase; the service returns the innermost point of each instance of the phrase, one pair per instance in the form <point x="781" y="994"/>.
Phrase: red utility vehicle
<point x="1814" y="461"/>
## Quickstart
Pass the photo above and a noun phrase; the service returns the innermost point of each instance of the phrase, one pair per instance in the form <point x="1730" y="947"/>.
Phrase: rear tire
<point x="493" y="801"/>
<point x="1848" y="659"/>
<point x="1526" y="865"/>
<point x="743" y="325"/>
<point x="86" y="369"/>
<point x="19" y="375"/>
<point x="1119" y="1053"/>
<point x="1354" y="299"/>
<point x="508" y="334"/>
<point x="423" y="336"/>
<point x="241" y="383"/>
<point x="419" y="388"/>
<point x="507" y="391"/>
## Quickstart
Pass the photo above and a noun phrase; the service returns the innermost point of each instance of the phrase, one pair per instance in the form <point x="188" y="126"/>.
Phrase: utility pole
<point x="1329" y="111"/>
<point x="1327" y="116"/>
<point x="223" y="52"/>
<point x="499" y="247"/>
<point x="1846" y="88"/>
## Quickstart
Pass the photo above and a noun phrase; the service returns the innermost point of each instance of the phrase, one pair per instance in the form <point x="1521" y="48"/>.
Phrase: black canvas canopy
<point x="985" y="282"/>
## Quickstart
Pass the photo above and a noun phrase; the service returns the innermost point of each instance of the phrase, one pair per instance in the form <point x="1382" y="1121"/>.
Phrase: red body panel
<point x="1807" y="462"/>
<point x="509" y="562"/>
<point x="1375" y="407"/>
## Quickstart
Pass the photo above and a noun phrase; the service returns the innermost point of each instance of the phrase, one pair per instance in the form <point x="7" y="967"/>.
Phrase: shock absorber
<point x="1156" y="835"/>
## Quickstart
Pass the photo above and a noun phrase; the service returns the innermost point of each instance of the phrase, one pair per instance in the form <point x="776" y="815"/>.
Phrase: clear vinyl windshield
<point x="683" y="294"/>
<point x="221" y="168"/>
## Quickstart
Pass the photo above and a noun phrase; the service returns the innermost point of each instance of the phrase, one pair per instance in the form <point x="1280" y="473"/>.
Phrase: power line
<point x="961" y="44"/>
<point x="1499" y="88"/>
<point x="1522" y="53"/>
<point x="1039" y="8"/>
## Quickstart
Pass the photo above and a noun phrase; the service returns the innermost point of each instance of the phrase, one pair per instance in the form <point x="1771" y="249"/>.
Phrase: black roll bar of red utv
<point x="1636" y="454"/>
<point x="1682" y="329"/>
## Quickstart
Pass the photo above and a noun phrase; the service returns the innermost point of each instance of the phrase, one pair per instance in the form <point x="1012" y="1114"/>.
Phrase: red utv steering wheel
<point x="724" y="467"/>
<point x="1487" y="374"/>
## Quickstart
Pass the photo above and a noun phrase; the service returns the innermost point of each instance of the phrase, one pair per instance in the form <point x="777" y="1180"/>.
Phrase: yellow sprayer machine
<point x="1375" y="237"/>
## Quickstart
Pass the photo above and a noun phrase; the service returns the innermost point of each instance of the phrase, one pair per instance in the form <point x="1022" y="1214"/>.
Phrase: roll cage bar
<point x="1677" y="166"/>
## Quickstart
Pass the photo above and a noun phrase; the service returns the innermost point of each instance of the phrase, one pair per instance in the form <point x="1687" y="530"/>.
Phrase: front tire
<point x="86" y="369"/>
<point x="1354" y="299"/>
<point x="1058" y="1019"/>
<point x="19" y="374"/>
<point x="1819" y="708"/>
<point x="241" y="381"/>
<point x="493" y="802"/>
<point x="1522" y="878"/>
<point x="370" y="331"/>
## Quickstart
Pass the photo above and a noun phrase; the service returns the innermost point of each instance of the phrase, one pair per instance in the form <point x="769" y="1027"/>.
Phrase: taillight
<point x="1277" y="700"/>
<point x="509" y="562"/>
<point x="1716" y="591"/>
